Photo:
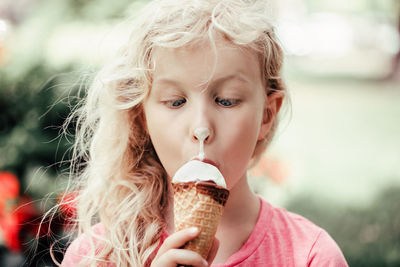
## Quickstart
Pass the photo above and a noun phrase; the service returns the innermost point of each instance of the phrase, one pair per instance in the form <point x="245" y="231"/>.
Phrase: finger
<point x="213" y="251"/>
<point x="178" y="239"/>
<point x="178" y="257"/>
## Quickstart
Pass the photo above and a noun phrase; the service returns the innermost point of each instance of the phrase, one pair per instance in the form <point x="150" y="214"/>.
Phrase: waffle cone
<point x="199" y="205"/>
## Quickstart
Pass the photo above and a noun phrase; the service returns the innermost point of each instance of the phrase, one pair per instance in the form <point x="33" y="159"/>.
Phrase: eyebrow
<point x="219" y="81"/>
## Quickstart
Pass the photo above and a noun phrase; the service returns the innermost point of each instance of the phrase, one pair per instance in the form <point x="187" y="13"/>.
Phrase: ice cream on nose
<point x="200" y="195"/>
<point x="201" y="135"/>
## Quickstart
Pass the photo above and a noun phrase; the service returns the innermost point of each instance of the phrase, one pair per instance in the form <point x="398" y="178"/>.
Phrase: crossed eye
<point x="225" y="102"/>
<point x="220" y="101"/>
<point x="178" y="102"/>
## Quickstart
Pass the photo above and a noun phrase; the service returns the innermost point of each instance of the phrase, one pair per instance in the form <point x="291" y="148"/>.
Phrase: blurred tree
<point x="36" y="98"/>
<point x="378" y="7"/>
<point x="368" y="236"/>
<point x="31" y="117"/>
<point x="395" y="70"/>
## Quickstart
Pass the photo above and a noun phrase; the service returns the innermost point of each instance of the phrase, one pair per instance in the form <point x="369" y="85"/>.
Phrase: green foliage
<point x="32" y="113"/>
<point x="367" y="236"/>
<point x="99" y="10"/>
<point x="35" y="96"/>
<point x="379" y="7"/>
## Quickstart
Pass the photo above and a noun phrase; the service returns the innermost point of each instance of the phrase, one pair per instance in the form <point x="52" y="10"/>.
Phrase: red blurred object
<point x="10" y="228"/>
<point x="9" y="185"/>
<point x="68" y="204"/>
<point x="20" y="219"/>
<point x="17" y="213"/>
<point x="275" y="169"/>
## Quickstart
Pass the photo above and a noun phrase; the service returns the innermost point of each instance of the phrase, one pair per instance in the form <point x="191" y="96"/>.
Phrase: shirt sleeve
<point x="326" y="253"/>
<point x="81" y="247"/>
<point x="72" y="257"/>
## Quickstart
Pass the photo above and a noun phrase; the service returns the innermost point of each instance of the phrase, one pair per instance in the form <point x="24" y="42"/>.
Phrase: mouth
<point x="208" y="161"/>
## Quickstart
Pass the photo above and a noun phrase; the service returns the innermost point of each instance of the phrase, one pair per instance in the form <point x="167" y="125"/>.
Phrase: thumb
<point x="213" y="251"/>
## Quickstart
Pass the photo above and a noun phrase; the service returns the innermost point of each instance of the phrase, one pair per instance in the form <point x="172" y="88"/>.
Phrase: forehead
<point x="205" y="62"/>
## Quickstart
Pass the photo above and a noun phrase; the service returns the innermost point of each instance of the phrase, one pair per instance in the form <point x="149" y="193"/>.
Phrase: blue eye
<point x="226" y="102"/>
<point x="178" y="103"/>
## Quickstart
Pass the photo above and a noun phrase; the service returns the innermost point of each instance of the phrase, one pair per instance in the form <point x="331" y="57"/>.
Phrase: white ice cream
<point x="197" y="171"/>
<point x="201" y="135"/>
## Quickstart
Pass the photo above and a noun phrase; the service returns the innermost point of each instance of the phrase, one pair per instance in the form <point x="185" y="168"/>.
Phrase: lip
<point x="208" y="161"/>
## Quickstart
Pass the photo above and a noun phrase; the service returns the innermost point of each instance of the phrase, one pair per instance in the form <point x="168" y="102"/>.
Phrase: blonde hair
<point x="122" y="183"/>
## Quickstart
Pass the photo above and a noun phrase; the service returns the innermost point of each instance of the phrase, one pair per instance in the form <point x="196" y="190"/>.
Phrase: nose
<point x="201" y="133"/>
<point x="201" y="120"/>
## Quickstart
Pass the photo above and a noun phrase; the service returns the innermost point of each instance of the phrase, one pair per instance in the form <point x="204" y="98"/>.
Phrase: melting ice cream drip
<point x="201" y="135"/>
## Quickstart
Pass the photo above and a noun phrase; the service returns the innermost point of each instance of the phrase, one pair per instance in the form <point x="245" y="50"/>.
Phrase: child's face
<point x="232" y="106"/>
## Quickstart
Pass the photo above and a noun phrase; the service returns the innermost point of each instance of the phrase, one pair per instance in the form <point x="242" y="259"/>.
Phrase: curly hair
<point x="119" y="178"/>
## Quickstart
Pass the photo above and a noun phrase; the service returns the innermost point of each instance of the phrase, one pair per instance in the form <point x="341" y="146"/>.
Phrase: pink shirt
<point x="280" y="238"/>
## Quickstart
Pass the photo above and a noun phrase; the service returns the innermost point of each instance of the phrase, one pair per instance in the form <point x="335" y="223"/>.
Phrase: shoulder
<point x="81" y="247"/>
<point x="325" y="252"/>
<point x="307" y="242"/>
<point x="292" y="225"/>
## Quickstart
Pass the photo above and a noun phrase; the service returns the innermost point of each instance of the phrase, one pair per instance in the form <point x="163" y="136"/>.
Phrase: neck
<point x="238" y="220"/>
<point x="242" y="206"/>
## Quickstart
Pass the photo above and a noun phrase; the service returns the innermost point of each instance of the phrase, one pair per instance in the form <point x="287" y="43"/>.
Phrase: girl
<point x="189" y="64"/>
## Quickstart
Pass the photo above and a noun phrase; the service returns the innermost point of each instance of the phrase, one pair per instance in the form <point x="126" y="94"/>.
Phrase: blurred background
<point x="335" y="159"/>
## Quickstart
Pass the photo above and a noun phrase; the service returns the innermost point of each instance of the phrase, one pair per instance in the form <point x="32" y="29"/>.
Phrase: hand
<point x="170" y="253"/>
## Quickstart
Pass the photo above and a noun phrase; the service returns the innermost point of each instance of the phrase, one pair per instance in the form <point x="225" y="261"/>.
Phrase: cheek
<point x="164" y="138"/>
<point x="246" y="131"/>
<point x="169" y="134"/>
<point x="239" y="147"/>
<point x="245" y="141"/>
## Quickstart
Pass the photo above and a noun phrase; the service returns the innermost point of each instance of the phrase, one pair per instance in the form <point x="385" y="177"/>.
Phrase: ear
<point x="272" y="105"/>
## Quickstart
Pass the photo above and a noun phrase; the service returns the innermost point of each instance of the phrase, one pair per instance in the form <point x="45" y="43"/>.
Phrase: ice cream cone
<point x="199" y="204"/>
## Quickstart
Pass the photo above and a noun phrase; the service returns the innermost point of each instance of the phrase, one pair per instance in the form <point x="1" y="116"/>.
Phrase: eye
<point x="176" y="103"/>
<point x="226" y="102"/>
